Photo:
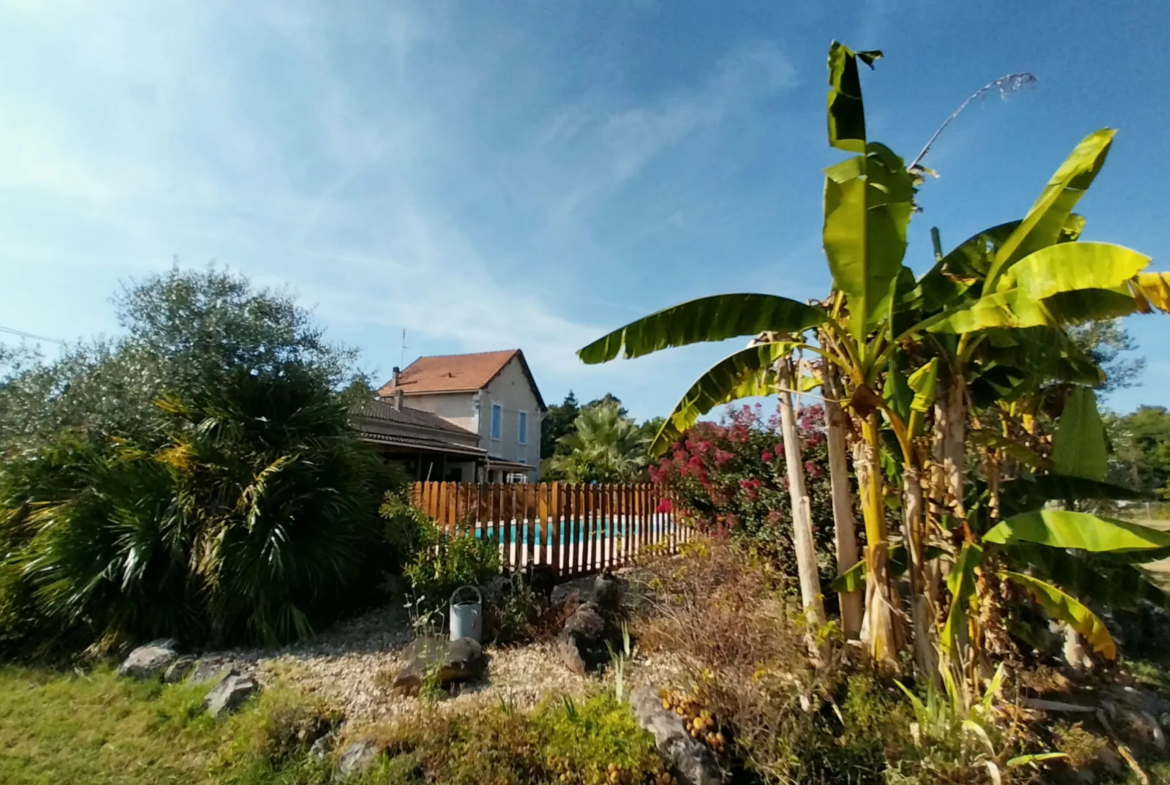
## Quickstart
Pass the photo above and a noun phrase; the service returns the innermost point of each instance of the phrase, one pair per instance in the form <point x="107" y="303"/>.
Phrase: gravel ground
<point x="342" y="666"/>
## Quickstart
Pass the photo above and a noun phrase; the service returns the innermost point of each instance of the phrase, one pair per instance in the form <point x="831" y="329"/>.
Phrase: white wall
<point x="456" y="408"/>
<point x="511" y="390"/>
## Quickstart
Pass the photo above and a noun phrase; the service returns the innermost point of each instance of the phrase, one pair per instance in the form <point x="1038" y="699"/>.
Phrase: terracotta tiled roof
<point x="456" y="373"/>
<point x="383" y="410"/>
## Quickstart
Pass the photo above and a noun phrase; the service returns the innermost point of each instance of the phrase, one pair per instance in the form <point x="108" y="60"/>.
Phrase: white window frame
<point x="496" y="435"/>
<point x="522" y="434"/>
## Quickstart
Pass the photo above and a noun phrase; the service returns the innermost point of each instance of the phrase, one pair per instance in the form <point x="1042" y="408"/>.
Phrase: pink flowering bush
<point x="731" y="478"/>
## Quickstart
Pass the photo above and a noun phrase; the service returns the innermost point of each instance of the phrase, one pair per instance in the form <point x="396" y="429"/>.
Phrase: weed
<point x="592" y="742"/>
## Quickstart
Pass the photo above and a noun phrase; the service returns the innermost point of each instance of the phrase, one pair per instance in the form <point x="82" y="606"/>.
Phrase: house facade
<point x="490" y="394"/>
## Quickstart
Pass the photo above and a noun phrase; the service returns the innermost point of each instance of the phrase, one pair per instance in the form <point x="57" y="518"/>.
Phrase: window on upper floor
<point x="522" y="429"/>
<point x="497" y="421"/>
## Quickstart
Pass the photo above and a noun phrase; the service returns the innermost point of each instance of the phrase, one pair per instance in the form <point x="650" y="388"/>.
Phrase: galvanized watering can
<point x="467" y="616"/>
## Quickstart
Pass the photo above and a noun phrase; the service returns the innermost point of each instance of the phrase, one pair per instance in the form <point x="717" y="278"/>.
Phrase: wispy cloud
<point x="346" y="151"/>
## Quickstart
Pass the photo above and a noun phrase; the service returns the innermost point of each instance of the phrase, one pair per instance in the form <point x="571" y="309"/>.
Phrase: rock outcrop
<point x="447" y="663"/>
<point x="151" y="660"/>
<point x="231" y="692"/>
<point x="692" y="761"/>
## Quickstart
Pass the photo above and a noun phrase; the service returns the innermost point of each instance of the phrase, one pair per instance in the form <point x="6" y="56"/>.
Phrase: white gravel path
<point x="343" y="665"/>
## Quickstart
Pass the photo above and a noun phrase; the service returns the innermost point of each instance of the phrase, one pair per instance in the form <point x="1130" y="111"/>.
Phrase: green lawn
<point x="62" y="728"/>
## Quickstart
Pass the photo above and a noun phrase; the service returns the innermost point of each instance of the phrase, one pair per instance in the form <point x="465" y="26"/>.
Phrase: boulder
<point x="178" y="670"/>
<point x="692" y="761"/>
<point x="582" y="643"/>
<point x="607" y="593"/>
<point x="541" y="579"/>
<point x="231" y="692"/>
<point x="451" y="662"/>
<point x="149" y="661"/>
<point x="465" y="661"/>
<point x="357" y="758"/>
<point x="322" y="747"/>
<point x="207" y="670"/>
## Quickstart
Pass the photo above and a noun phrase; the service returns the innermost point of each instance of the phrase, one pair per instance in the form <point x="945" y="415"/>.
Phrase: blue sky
<point x="533" y="174"/>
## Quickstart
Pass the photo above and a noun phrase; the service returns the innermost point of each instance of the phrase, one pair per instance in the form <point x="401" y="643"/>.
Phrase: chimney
<point x="397" y="390"/>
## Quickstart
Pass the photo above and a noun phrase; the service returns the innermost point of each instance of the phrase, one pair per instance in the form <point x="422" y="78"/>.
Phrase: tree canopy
<point x="195" y="478"/>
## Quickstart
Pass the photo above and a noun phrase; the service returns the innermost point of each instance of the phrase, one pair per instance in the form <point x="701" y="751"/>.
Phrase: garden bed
<point x="351" y="664"/>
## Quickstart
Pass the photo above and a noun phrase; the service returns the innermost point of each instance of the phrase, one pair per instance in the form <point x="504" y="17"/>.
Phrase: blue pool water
<point x="519" y="532"/>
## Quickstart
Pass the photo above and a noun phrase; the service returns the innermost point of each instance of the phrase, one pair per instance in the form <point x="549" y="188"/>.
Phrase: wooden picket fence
<point x="578" y="529"/>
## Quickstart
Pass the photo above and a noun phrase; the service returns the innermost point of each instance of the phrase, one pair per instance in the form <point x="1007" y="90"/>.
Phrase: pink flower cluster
<point x="731" y="474"/>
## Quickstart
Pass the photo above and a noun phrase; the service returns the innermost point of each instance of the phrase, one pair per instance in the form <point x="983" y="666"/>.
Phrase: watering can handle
<point x="478" y="595"/>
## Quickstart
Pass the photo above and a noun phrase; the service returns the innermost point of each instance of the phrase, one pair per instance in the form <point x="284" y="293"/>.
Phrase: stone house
<point x="490" y="397"/>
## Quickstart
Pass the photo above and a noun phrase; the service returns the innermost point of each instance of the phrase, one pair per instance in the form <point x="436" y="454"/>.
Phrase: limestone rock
<point x="451" y="662"/>
<point x="692" y="761"/>
<point x="581" y="645"/>
<point x="322" y="747"/>
<point x="357" y="758"/>
<point x="149" y="661"/>
<point x="207" y="670"/>
<point x="231" y="692"/>
<point x="607" y="593"/>
<point x="178" y="670"/>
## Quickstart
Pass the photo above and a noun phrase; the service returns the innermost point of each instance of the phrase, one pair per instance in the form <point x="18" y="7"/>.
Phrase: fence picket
<point x="574" y="529"/>
<point x="578" y="531"/>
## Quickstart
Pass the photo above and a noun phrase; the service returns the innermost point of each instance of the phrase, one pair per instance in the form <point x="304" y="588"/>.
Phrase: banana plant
<point x="868" y="204"/>
<point x="1055" y="555"/>
<point x="988" y="310"/>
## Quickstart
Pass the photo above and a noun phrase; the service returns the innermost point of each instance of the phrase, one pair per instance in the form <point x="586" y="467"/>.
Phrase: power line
<point x="30" y="336"/>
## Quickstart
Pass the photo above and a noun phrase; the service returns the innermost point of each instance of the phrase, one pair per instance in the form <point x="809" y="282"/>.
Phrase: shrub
<point x="446" y="562"/>
<point x="196" y="478"/>
<point x="594" y="742"/>
<point x="407" y="531"/>
<point x="730" y="477"/>
<point x="254" y="517"/>
<point x="721" y="612"/>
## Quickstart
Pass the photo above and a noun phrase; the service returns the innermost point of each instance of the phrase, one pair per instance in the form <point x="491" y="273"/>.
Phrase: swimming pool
<point x="520" y="531"/>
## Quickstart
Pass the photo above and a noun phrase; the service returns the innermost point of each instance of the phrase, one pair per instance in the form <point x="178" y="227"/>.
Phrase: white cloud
<point x="354" y="152"/>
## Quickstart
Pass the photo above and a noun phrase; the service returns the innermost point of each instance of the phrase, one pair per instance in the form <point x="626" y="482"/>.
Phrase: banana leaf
<point x="846" y="109"/>
<point x="1080" y="530"/>
<point x="1079" y="448"/>
<point x="961" y="584"/>
<point x="714" y="318"/>
<point x="1063" y="607"/>
<point x="1045" y="221"/>
<point x="1107" y="582"/>
<point x="745" y="374"/>
<point x="1068" y="267"/>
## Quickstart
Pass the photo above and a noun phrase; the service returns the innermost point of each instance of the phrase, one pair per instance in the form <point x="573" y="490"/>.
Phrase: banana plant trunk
<point x="921" y="611"/>
<point x="952" y="424"/>
<point x="878" y="629"/>
<point x="802" y="535"/>
<point x="844" y="523"/>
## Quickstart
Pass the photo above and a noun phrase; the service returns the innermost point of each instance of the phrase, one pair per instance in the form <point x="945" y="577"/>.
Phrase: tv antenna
<point x="402" y="363"/>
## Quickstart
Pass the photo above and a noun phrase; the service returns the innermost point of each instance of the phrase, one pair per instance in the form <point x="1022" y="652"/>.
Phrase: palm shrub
<point x="606" y="446"/>
<point x="253" y="518"/>
<point x="195" y="478"/>
<point x="281" y="500"/>
<point x="90" y="549"/>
